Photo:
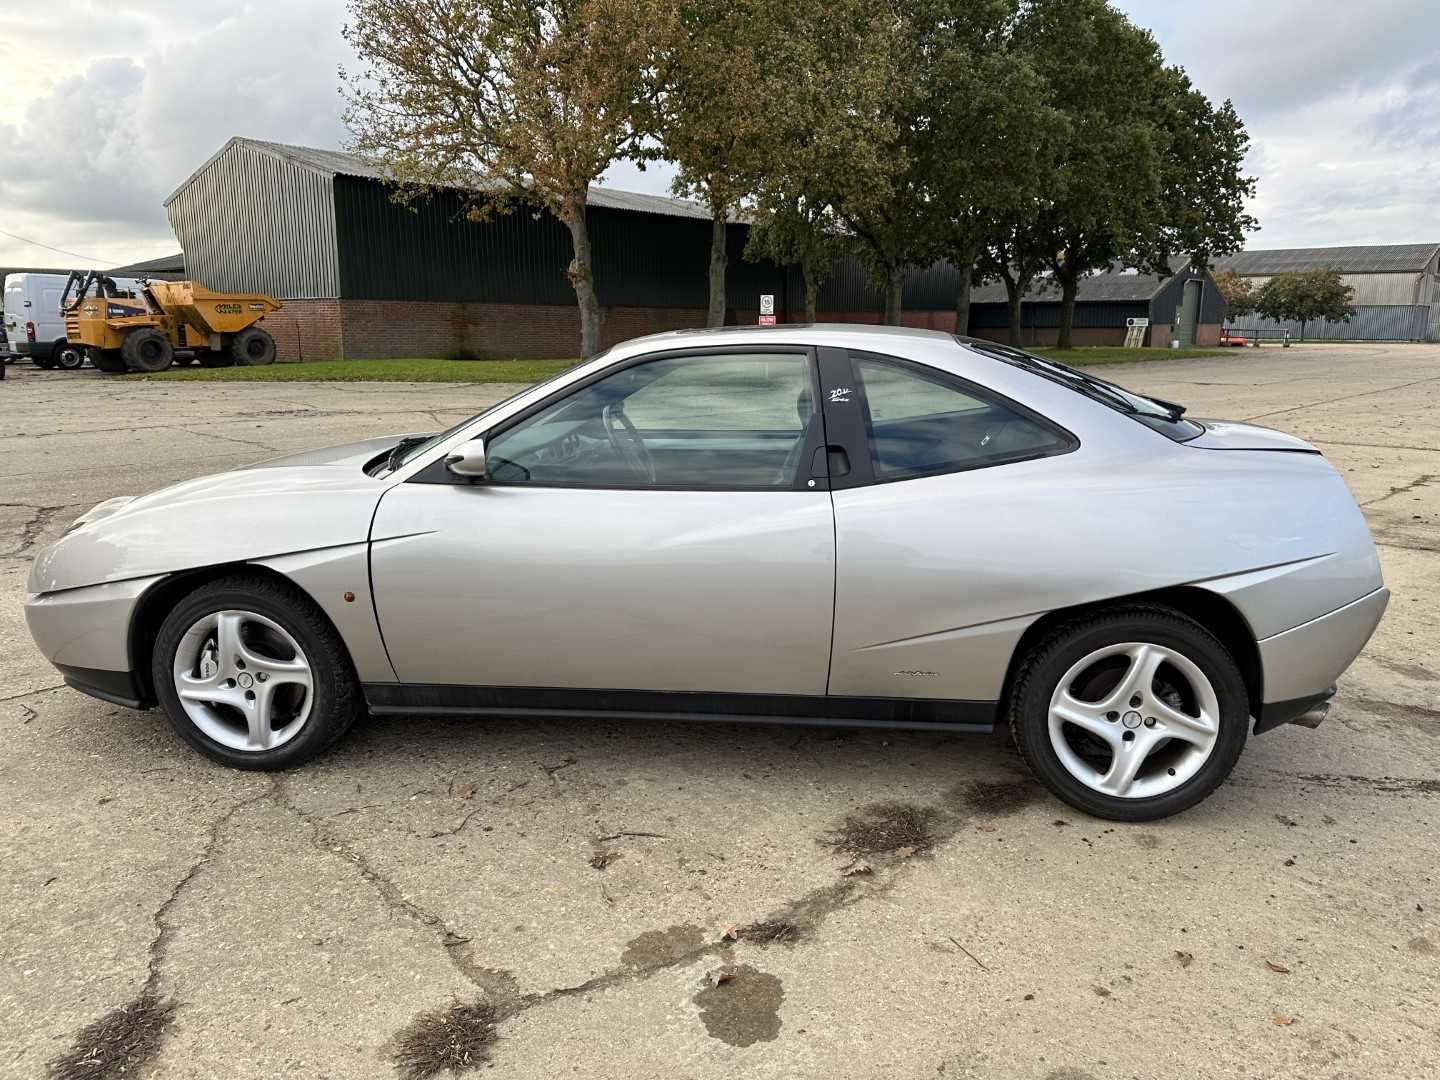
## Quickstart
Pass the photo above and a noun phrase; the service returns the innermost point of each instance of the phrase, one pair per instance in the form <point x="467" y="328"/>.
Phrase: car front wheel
<point x="1131" y="714"/>
<point x="253" y="675"/>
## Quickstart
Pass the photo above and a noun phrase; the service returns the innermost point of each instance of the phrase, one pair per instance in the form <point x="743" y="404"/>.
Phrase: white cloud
<point x="102" y="126"/>
<point x="107" y="105"/>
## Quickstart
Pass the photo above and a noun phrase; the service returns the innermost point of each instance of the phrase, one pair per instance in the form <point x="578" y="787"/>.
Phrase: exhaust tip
<point x="1312" y="718"/>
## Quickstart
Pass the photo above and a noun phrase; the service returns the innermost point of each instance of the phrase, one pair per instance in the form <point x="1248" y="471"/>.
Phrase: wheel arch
<point x="160" y="599"/>
<point x="1211" y="610"/>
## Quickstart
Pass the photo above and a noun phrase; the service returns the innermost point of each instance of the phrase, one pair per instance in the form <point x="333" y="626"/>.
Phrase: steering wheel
<point x="626" y="441"/>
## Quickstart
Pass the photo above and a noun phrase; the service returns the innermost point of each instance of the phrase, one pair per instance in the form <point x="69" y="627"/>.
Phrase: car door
<point x="654" y="528"/>
<point x="934" y="516"/>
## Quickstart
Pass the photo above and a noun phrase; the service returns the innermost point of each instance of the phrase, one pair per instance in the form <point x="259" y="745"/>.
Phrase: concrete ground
<point x="584" y="877"/>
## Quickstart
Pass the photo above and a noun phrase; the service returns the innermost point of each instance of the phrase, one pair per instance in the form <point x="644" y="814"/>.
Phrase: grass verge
<point x="529" y="371"/>
<point x="1114" y="354"/>
<point x="411" y="370"/>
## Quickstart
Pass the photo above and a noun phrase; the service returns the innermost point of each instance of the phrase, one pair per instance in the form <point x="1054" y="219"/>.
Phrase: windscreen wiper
<point x="398" y="451"/>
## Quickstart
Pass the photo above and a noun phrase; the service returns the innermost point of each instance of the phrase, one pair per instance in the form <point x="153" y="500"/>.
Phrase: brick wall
<point x="387" y="329"/>
<point x="306" y="330"/>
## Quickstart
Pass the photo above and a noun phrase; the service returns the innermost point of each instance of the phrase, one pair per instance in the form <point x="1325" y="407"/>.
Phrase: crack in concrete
<point x="1376" y="446"/>
<point x="232" y="439"/>
<point x="31" y="530"/>
<point x="499" y="987"/>
<point x="1424" y="480"/>
<point x="31" y="693"/>
<point x="165" y="930"/>
<point x="1342" y="397"/>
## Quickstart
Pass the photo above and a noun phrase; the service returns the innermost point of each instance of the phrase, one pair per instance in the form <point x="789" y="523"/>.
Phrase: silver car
<point x="835" y="525"/>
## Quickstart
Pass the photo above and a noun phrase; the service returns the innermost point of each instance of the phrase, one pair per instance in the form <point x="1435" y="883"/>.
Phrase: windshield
<point x="411" y="447"/>
<point x="1164" y="416"/>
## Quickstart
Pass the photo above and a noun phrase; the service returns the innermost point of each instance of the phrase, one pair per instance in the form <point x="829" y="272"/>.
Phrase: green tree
<point x="1017" y="256"/>
<point x="990" y="153"/>
<point x="803" y="234"/>
<point x="1238" y="292"/>
<point x="1107" y="190"/>
<point x="1205" y="189"/>
<point x="893" y="219"/>
<point x="1303" y="296"/>
<point x="831" y="69"/>
<point x="713" y="116"/>
<point x="508" y="100"/>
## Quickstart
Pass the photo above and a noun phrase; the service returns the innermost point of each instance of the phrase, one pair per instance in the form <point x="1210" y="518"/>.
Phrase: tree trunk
<point x="962" y="303"/>
<point x="1069" y="287"/>
<point x="965" y="265"/>
<point x="718" y="259"/>
<point x="894" y="289"/>
<point x="582" y="277"/>
<point x="1013" y="295"/>
<point x="812" y="293"/>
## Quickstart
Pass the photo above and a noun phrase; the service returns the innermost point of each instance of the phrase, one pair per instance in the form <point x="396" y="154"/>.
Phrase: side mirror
<point x="468" y="462"/>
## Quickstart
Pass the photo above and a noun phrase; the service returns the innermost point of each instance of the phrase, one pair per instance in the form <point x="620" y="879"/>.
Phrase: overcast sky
<point x="106" y="106"/>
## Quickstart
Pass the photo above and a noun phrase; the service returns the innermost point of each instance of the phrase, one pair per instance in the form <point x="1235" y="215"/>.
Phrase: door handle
<point x="837" y="460"/>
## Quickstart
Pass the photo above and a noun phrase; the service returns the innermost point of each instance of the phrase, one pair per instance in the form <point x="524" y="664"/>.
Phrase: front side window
<point x="702" y="422"/>
<point x="922" y="422"/>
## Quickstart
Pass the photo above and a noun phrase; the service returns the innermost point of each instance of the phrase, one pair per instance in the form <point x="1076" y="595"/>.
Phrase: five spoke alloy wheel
<point x="244" y="680"/>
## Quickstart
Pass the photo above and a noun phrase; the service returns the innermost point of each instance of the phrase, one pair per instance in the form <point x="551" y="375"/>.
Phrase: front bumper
<point x="1302" y="664"/>
<point x="85" y="633"/>
<point x="116" y="687"/>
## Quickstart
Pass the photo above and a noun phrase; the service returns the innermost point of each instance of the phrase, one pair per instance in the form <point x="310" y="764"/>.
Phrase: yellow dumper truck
<point x="149" y="328"/>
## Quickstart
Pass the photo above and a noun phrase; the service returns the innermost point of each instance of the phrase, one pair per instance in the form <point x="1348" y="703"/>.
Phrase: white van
<point x="34" y="324"/>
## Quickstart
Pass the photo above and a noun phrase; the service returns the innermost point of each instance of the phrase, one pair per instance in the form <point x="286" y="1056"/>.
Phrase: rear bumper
<point x="1303" y="663"/>
<point x="1307" y="711"/>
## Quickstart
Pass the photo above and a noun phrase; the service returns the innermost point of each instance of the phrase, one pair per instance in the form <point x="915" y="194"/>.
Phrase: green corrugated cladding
<point x="431" y="250"/>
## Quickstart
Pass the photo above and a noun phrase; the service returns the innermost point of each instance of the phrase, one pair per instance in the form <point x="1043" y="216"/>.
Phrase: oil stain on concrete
<point x="657" y="948"/>
<point x="741" y="1006"/>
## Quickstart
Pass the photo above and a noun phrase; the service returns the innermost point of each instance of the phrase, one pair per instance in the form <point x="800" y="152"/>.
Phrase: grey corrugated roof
<point x="169" y="264"/>
<point x="1115" y="286"/>
<point x="339" y="163"/>
<point x="1381" y="259"/>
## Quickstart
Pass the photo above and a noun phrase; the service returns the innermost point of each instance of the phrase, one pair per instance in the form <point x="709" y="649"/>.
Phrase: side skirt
<point x="429" y="699"/>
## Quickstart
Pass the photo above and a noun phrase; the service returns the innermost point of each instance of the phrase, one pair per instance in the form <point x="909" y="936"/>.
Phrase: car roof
<point x="863" y="335"/>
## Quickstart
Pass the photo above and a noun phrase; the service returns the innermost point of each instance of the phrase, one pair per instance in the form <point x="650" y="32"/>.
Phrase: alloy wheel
<point x="243" y="680"/>
<point x="1134" y="720"/>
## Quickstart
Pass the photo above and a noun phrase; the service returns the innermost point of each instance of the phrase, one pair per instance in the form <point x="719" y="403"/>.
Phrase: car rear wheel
<point x="1131" y="714"/>
<point x="253" y="675"/>
<point x="69" y="357"/>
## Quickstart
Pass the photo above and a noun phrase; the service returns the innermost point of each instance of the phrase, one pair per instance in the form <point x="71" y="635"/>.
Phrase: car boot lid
<point x="1231" y="435"/>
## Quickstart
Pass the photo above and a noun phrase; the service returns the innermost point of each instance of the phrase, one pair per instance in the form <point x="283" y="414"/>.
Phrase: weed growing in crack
<point x="996" y="798"/>
<point x="118" y="1044"/>
<point x="885" y="828"/>
<point x="453" y="1038"/>
<point x="770" y="931"/>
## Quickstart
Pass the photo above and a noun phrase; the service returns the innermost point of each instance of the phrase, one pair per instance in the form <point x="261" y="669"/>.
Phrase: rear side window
<point x="922" y="422"/>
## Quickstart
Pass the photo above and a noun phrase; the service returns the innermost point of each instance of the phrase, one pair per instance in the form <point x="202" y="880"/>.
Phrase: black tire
<point x="148" y="350"/>
<point x="69" y="357"/>
<point x="1046" y="664"/>
<point x="212" y="358"/>
<point x="108" y="360"/>
<point x="252" y="346"/>
<point x="337" y="699"/>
